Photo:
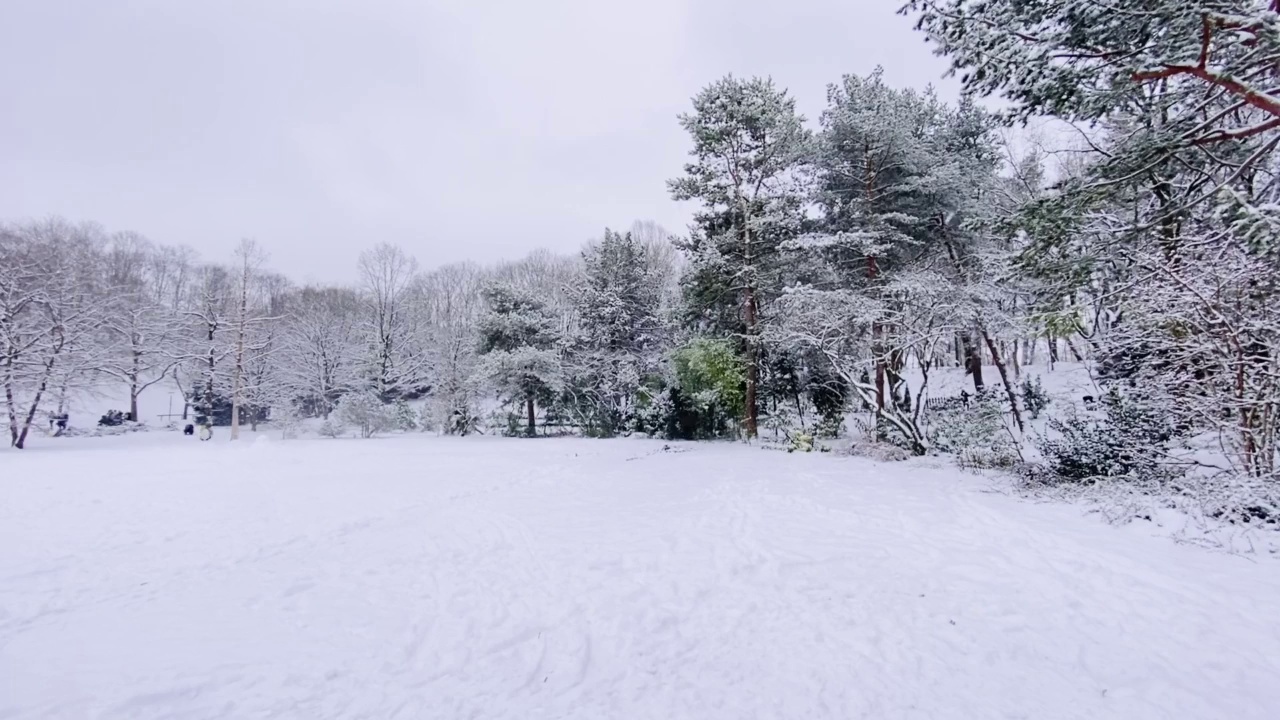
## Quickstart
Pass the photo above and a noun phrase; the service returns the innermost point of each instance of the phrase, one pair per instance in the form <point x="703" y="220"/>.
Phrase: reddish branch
<point x="1263" y="101"/>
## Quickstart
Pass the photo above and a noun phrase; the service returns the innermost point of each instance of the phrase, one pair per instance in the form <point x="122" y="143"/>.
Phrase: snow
<point x="154" y="576"/>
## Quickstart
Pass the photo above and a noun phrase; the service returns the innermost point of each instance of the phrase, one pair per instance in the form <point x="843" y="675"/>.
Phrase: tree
<point x="246" y="320"/>
<point x="208" y="314"/>
<point x="518" y="339"/>
<point x="395" y="365"/>
<point x="1079" y="59"/>
<point x="320" y="347"/>
<point x="366" y="412"/>
<point x="452" y="305"/>
<point x="620" y="333"/>
<point x="141" y="330"/>
<point x="1168" y="228"/>
<point x="264" y="383"/>
<point x="51" y="310"/>
<point x="748" y="148"/>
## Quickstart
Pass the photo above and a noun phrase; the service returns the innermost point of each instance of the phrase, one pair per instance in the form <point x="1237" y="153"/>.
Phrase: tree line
<point x="830" y="268"/>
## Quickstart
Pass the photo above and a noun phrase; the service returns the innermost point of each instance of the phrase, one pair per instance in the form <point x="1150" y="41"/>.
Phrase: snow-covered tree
<point x="51" y="315"/>
<point x="748" y="148"/>
<point x="520" y="357"/>
<point x="621" y="333"/>
<point x="208" y="314"/>
<point x="396" y="364"/>
<point x="141" y="328"/>
<point x="1159" y="247"/>
<point x="320" y="347"/>
<point x="452" y="305"/>
<point x="366" y="412"/>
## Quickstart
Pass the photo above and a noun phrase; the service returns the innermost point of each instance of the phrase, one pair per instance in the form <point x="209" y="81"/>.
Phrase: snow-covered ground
<point x="153" y="576"/>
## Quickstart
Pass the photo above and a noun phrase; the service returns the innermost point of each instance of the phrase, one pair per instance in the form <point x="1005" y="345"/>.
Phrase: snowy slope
<point x="152" y="576"/>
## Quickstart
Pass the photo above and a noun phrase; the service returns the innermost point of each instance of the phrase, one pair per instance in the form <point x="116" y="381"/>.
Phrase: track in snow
<point x="150" y="577"/>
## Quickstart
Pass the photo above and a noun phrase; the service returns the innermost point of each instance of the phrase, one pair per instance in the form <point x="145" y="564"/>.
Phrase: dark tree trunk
<point x="531" y="429"/>
<point x="753" y="366"/>
<point x="1004" y="377"/>
<point x="973" y="360"/>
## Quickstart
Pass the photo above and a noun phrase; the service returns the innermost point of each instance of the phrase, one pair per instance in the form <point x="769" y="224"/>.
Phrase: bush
<point x="366" y="412"/>
<point x="1034" y="398"/>
<point x="332" y="429"/>
<point x="1128" y="441"/>
<point x="289" y="421"/>
<point x="404" y="416"/>
<point x="708" y="398"/>
<point x="801" y="443"/>
<point x="975" y="433"/>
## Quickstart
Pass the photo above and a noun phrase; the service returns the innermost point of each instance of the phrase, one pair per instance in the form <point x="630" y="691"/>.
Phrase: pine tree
<point x="748" y="149"/>
<point x="518" y="346"/>
<point x="620" y="330"/>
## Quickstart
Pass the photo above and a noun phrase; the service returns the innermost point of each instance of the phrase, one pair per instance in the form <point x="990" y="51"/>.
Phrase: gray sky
<point x="458" y="129"/>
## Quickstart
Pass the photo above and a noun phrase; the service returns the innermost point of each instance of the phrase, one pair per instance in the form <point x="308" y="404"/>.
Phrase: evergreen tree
<point x="518" y="345"/>
<point x="749" y="146"/>
<point x="620" y="330"/>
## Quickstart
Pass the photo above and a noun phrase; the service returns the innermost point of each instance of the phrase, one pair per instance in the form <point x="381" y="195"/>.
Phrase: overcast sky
<point x="458" y="129"/>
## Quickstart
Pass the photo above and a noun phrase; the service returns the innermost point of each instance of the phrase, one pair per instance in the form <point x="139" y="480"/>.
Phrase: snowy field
<point x="152" y="576"/>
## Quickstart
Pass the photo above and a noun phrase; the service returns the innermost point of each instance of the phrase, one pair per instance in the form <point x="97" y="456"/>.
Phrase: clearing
<point x="152" y="576"/>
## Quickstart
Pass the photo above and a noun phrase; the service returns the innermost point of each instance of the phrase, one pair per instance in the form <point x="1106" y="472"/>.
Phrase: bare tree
<point x="141" y="329"/>
<point x="387" y="276"/>
<point x="249" y="260"/>
<point x="452" y="306"/>
<point x="319" y="353"/>
<point x="52" y="309"/>
<point x="202" y="353"/>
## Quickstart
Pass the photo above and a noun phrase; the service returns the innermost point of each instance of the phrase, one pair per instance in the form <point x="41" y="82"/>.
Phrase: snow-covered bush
<point x="289" y="420"/>
<point x="878" y="451"/>
<point x="1125" y="440"/>
<point x="975" y="433"/>
<point x="1034" y="397"/>
<point x="404" y="416"/>
<point x="801" y="442"/>
<point x="707" y="400"/>
<point x="331" y="428"/>
<point x="366" y="412"/>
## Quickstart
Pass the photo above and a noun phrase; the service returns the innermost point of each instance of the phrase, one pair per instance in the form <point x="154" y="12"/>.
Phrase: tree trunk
<point x="21" y="439"/>
<point x="973" y="360"/>
<point x="237" y="371"/>
<point x="134" y="372"/>
<point x="531" y="429"/>
<point x="1074" y="352"/>
<point x="186" y="401"/>
<point x="753" y="366"/>
<point x="750" y="308"/>
<point x="1004" y="378"/>
<point x="9" y="399"/>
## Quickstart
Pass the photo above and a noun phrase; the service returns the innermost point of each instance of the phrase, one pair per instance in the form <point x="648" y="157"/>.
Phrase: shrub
<point x="707" y="399"/>
<point x="403" y="416"/>
<point x="1034" y="398"/>
<point x="366" y="412"/>
<point x="331" y="428"/>
<point x="289" y="420"/>
<point x="1128" y="440"/>
<point x="975" y="433"/>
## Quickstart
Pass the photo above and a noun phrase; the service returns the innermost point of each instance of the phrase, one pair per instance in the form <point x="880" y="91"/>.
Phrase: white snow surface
<point x="153" y="576"/>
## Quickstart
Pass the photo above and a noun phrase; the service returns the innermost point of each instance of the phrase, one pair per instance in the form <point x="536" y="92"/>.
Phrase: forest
<point x="833" y="265"/>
